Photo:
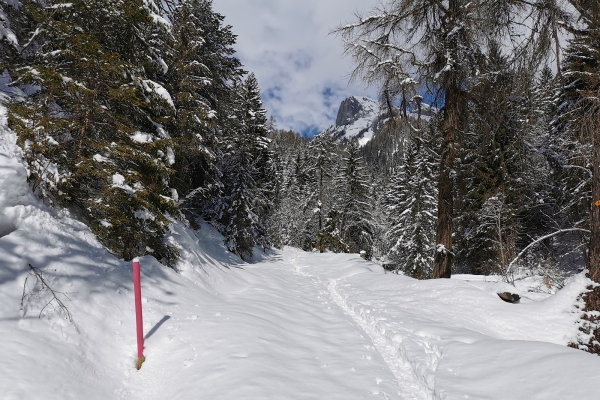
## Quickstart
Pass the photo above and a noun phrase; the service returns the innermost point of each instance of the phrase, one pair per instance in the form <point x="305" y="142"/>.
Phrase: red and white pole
<point x="137" y="290"/>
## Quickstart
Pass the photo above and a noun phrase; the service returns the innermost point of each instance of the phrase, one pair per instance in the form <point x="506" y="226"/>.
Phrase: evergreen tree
<point x="92" y="132"/>
<point x="288" y="216"/>
<point x="572" y="137"/>
<point x="201" y="71"/>
<point x="411" y="200"/>
<point x="15" y="26"/>
<point x="352" y="198"/>
<point x="579" y="116"/>
<point x="238" y="220"/>
<point x="446" y="40"/>
<point x="320" y="166"/>
<point x="330" y="237"/>
<point x="504" y="173"/>
<point x="264" y="174"/>
<point x="246" y="173"/>
<point x="487" y="169"/>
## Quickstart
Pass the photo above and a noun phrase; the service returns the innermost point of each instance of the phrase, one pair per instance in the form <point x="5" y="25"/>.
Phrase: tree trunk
<point x="321" y="211"/>
<point x="443" y="253"/>
<point x="592" y="298"/>
<point x="594" y="250"/>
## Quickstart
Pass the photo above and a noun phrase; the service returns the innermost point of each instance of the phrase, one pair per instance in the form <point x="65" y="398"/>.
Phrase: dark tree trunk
<point x="592" y="298"/>
<point x="443" y="253"/>
<point x="455" y="115"/>
<point x="594" y="250"/>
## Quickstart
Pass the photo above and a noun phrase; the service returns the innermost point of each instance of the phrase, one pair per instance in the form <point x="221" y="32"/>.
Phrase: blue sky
<point x="299" y="65"/>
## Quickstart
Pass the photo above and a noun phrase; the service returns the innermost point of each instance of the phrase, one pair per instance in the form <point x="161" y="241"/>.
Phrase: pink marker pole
<point x="137" y="290"/>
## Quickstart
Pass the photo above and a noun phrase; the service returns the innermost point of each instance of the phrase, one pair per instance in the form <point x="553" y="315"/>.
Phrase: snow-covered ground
<point x="292" y="325"/>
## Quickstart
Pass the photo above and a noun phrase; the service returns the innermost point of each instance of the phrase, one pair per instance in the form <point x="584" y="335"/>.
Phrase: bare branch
<point x="39" y="275"/>
<point x="530" y="245"/>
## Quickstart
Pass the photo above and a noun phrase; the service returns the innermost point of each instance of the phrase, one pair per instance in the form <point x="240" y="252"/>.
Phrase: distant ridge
<point x="360" y="118"/>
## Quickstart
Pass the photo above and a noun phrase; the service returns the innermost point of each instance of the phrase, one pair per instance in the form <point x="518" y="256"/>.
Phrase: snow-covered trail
<point x="295" y="326"/>
<point x="217" y="329"/>
<point x="452" y="339"/>
<point x="278" y="334"/>
<point x="408" y="386"/>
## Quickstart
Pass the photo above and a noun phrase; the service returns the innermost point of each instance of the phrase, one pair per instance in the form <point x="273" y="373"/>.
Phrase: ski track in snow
<point x="409" y="387"/>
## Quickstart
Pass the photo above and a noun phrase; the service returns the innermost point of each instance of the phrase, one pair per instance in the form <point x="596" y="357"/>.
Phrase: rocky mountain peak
<point x="361" y="118"/>
<point x="352" y="109"/>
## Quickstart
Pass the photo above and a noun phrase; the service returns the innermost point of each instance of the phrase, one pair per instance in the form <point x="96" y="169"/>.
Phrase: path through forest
<point x="282" y="332"/>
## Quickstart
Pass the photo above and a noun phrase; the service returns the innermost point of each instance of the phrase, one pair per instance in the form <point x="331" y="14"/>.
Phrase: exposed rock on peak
<point x="356" y="120"/>
<point x="361" y="118"/>
<point x="352" y="109"/>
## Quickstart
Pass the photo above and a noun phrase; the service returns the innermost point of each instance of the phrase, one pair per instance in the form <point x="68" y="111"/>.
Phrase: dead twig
<point x="24" y="294"/>
<point x="55" y="294"/>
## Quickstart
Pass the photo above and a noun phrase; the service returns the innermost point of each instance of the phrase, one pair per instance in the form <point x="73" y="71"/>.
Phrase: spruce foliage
<point x="91" y="131"/>
<point x="247" y="172"/>
<point x="126" y="106"/>
<point x="411" y="200"/>
<point x="353" y="200"/>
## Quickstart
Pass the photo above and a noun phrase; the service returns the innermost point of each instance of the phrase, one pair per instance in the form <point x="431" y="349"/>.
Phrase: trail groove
<point x="408" y="386"/>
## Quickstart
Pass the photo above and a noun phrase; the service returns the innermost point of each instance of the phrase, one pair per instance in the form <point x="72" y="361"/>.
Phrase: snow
<point x="142" y="137"/>
<point x="100" y="158"/>
<point x="157" y="18"/>
<point x="291" y="325"/>
<point x="118" y="179"/>
<point x="6" y="91"/>
<point x="161" y="131"/>
<point x="170" y="156"/>
<point x="362" y="127"/>
<point x="119" y="182"/>
<point x="144" y="214"/>
<point x="62" y="5"/>
<point x="366" y="137"/>
<point x="159" y="90"/>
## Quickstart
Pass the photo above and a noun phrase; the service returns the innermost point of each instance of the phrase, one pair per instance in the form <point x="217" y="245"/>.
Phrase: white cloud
<point x="299" y="65"/>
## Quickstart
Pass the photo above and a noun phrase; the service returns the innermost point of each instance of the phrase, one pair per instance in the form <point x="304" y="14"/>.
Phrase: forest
<point x="134" y="113"/>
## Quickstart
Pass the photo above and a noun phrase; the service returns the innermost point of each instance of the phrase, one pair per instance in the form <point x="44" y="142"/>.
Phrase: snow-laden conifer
<point x="319" y="169"/>
<point x="91" y="127"/>
<point x="246" y="169"/>
<point x="201" y="70"/>
<point x="354" y="204"/>
<point x="412" y="203"/>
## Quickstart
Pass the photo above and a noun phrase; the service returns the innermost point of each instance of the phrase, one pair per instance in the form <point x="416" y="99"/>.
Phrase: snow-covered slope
<point x="292" y="325"/>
